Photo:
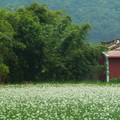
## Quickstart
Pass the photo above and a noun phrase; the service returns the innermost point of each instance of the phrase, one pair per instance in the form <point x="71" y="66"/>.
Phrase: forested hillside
<point x="39" y="44"/>
<point x="103" y="15"/>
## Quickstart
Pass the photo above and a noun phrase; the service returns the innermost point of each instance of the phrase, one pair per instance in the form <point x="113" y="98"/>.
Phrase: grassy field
<point x="59" y="102"/>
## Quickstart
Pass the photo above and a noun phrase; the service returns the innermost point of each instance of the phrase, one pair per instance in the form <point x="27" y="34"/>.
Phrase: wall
<point x="114" y="67"/>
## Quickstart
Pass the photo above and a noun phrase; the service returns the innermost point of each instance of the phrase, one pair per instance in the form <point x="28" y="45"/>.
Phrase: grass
<point x="73" y="101"/>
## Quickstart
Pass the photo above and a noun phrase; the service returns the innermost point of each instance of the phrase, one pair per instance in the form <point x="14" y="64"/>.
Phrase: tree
<point x="6" y="44"/>
<point x="39" y="44"/>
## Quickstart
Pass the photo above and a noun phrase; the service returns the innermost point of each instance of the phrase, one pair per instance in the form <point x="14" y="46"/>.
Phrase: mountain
<point x="103" y="15"/>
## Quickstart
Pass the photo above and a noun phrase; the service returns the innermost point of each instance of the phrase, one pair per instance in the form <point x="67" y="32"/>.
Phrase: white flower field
<point x="59" y="102"/>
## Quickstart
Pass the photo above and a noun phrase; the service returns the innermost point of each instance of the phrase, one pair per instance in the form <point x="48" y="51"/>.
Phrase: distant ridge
<point x="104" y="16"/>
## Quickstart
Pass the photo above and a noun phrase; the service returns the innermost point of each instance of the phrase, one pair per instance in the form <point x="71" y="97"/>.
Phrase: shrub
<point x="115" y="80"/>
<point x="4" y="71"/>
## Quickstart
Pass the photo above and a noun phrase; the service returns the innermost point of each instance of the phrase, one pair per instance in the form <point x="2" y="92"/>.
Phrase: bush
<point x="4" y="71"/>
<point x="115" y="80"/>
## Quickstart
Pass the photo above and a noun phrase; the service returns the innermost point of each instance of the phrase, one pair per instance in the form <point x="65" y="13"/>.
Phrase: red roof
<point x="113" y="54"/>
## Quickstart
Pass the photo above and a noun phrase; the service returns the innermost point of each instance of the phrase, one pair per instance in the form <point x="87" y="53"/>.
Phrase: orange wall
<point x="114" y="67"/>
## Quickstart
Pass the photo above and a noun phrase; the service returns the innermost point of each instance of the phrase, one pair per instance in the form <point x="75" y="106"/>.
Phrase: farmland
<point x="59" y="102"/>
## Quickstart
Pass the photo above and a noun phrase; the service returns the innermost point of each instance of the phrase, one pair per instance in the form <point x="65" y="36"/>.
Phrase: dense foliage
<point x="38" y="44"/>
<point x="103" y="15"/>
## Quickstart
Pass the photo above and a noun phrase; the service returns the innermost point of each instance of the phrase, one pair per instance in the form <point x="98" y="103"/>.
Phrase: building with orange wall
<point x="111" y="60"/>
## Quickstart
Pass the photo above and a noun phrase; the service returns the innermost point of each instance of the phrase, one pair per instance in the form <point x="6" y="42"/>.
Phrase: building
<point x="113" y="45"/>
<point x="111" y="60"/>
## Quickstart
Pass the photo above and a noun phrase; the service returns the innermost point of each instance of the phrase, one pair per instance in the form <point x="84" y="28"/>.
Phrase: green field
<point x="59" y="102"/>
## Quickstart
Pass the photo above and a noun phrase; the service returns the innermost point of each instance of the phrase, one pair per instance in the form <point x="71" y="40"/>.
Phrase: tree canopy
<point x="39" y="44"/>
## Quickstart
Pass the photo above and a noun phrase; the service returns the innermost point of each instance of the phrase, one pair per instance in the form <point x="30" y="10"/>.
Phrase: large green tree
<point x="39" y="44"/>
<point x="7" y="54"/>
